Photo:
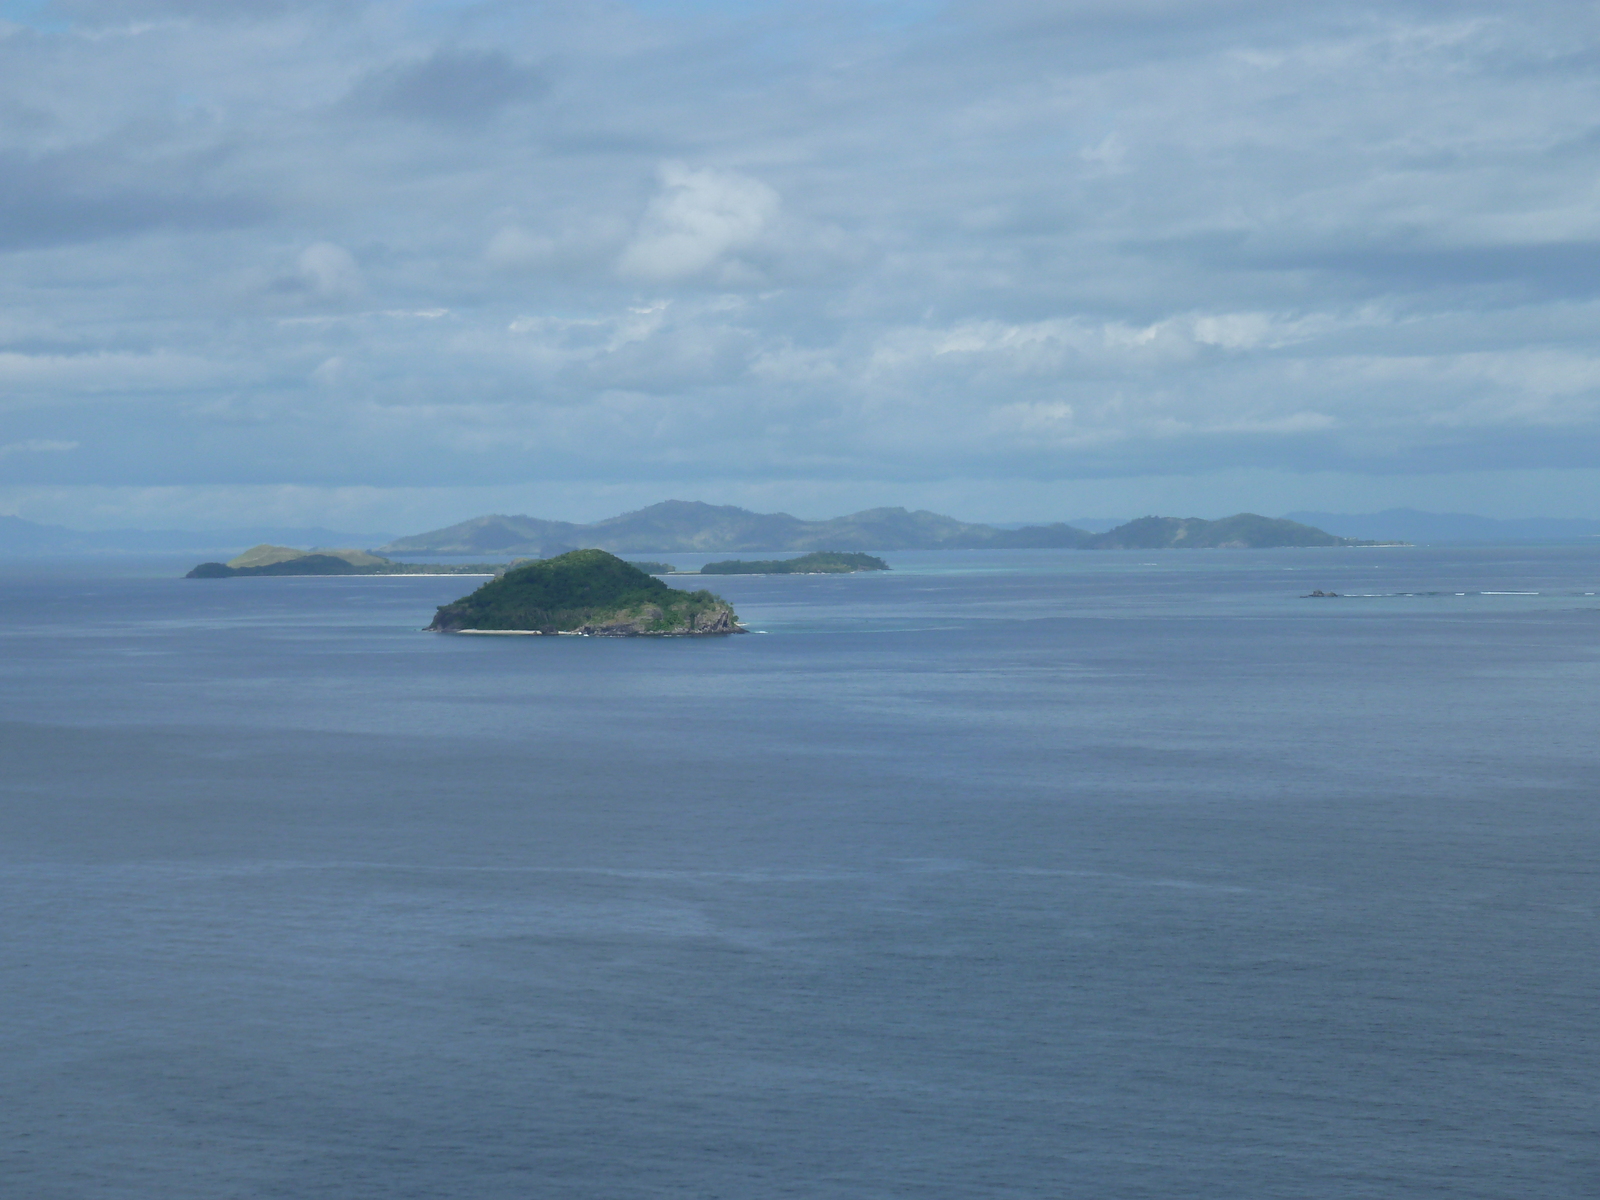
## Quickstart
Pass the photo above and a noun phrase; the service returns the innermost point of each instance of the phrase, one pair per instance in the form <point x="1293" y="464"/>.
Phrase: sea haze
<point x="1003" y="874"/>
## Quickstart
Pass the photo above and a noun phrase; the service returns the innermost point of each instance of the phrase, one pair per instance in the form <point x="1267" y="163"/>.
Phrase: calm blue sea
<point x="1043" y="874"/>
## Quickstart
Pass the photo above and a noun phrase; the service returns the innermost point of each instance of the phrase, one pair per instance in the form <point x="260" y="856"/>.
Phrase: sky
<point x="393" y="265"/>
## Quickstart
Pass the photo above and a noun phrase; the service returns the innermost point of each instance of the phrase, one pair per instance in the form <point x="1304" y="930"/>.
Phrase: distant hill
<point x="693" y="527"/>
<point x="680" y="525"/>
<point x="1412" y="525"/>
<point x="1095" y="524"/>
<point x="685" y="525"/>
<point x="25" y="537"/>
<point x="287" y="560"/>
<point x="1245" y="531"/>
<point x="266" y="555"/>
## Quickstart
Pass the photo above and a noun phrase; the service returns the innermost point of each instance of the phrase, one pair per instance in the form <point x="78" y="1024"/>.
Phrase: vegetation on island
<point x="823" y="562"/>
<point x="589" y="592"/>
<point x="286" y="560"/>
<point x="267" y="555"/>
<point x="655" y="568"/>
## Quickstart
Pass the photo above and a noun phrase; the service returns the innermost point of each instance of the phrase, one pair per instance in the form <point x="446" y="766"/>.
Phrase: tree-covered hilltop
<point x="586" y="591"/>
<point x="823" y="562"/>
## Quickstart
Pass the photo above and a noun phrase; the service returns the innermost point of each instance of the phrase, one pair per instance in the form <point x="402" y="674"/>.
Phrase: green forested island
<point x="823" y="562"/>
<point x="586" y="592"/>
<point x="286" y="560"/>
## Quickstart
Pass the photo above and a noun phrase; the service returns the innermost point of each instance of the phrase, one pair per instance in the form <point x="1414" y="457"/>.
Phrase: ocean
<point x="1003" y="874"/>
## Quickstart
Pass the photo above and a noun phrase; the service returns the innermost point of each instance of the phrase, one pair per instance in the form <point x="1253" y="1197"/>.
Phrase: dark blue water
<point x="1005" y="875"/>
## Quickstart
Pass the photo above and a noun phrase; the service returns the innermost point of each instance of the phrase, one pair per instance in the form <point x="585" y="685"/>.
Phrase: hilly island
<point x="586" y="592"/>
<point x="690" y="526"/>
<point x="836" y="545"/>
<point x="286" y="560"/>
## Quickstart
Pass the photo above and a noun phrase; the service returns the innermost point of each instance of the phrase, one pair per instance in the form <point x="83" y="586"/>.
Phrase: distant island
<point x="682" y="525"/>
<point x="587" y="592"/>
<point x="822" y="562"/>
<point x="286" y="560"/>
<point x="685" y="525"/>
<point x="1245" y="531"/>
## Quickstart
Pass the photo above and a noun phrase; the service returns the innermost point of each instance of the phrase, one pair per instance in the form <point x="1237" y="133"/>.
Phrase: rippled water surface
<point x="1035" y="874"/>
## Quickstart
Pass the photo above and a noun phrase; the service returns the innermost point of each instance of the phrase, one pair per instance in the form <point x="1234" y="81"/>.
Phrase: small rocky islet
<point x="587" y="592"/>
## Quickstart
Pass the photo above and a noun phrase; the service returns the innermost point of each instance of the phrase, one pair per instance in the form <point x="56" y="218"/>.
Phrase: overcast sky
<point x="389" y="266"/>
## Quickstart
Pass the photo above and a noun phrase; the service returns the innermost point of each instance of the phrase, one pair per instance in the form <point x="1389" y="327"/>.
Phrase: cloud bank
<point x="792" y="255"/>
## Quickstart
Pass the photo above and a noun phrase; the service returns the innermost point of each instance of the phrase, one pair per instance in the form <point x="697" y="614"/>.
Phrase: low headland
<point x="823" y="562"/>
<point x="588" y="592"/>
<point x="286" y="560"/>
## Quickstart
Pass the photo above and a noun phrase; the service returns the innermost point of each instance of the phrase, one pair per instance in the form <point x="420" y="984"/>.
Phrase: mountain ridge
<point x="690" y="526"/>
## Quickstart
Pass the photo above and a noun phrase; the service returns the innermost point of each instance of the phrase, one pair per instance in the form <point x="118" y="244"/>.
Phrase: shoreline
<point x="580" y="633"/>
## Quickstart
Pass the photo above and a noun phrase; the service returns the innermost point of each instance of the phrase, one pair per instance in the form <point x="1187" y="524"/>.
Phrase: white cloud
<point x="1076" y="241"/>
<point x="329" y="271"/>
<point x="698" y="218"/>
